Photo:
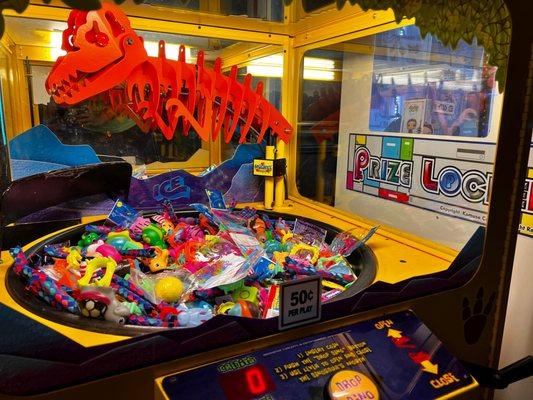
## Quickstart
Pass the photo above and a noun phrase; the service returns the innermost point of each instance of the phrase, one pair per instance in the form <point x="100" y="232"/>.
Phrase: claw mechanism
<point x="104" y="56"/>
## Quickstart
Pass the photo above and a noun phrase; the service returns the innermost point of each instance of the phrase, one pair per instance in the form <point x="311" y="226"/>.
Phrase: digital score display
<point x="247" y="384"/>
<point x="391" y="358"/>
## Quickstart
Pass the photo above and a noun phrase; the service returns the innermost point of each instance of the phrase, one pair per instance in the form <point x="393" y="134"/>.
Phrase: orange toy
<point x="159" y="262"/>
<point x="68" y="278"/>
<point x="105" y="56"/>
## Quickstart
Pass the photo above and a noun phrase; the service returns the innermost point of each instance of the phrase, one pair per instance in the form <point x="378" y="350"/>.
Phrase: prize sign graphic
<point x="445" y="176"/>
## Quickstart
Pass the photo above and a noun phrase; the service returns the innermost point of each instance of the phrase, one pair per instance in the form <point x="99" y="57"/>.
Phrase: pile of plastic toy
<point x="170" y="271"/>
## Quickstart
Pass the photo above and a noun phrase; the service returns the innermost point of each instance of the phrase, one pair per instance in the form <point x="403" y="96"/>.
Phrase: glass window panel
<point x="357" y="150"/>
<point x="318" y="128"/>
<point x="180" y="4"/>
<point x="421" y="86"/>
<point x="93" y="122"/>
<point x="268" y="10"/>
<point x="269" y="70"/>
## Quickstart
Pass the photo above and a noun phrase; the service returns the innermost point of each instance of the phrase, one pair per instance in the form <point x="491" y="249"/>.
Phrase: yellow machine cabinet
<point x="260" y="200"/>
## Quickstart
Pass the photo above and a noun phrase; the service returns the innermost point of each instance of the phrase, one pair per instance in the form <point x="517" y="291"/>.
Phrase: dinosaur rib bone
<point x="106" y="57"/>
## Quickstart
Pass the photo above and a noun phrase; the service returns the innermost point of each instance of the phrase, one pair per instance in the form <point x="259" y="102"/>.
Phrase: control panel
<point x="393" y="357"/>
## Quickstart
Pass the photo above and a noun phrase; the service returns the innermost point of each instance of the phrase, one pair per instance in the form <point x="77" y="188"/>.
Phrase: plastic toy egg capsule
<point x="169" y="289"/>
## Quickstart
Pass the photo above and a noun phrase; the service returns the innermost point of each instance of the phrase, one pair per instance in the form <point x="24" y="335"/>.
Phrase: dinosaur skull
<point x="102" y="49"/>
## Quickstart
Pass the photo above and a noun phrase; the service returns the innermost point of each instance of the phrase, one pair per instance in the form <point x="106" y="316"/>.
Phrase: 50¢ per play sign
<point x="300" y="302"/>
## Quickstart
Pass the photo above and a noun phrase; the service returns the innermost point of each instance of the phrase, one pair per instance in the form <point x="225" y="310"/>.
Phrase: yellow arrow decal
<point x="428" y="366"/>
<point x="394" y="333"/>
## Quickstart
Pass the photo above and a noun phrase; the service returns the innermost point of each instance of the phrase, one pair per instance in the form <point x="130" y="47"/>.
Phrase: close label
<point x="300" y="302"/>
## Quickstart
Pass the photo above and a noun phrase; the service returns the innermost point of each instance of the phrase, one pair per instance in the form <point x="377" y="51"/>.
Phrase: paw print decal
<point x="476" y="318"/>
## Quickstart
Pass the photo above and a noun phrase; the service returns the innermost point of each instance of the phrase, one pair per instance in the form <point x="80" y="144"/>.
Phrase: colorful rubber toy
<point x="194" y="316"/>
<point x="258" y="227"/>
<point x="206" y="225"/>
<point x="184" y="277"/>
<point x="87" y="239"/>
<point x="154" y="236"/>
<point x="166" y="225"/>
<point x="283" y="231"/>
<point x="121" y="241"/>
<point x="159" y="262"/>
<point x="305" y="251"/>
<point x="74" y="258"/>
<point x="243" y="308"/>
<point x="100" y="302"/>
<point x="67" y="277"/>
<point x="273" y="245"/>
<point x="248" y="293"/>
<point x="93" y="265"/>
<point x="224" y="308"/>
<point x="101" y="249"/>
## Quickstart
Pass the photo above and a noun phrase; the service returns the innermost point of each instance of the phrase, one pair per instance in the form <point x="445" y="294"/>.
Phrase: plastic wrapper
<point x="226" y="220"/>
<point x="226" y="270"/>
<point x="345" y="243"/>
<point x="148" y="282"/>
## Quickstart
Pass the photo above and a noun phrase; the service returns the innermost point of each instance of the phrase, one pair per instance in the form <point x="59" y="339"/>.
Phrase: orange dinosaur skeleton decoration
<point x="106" y="57"/>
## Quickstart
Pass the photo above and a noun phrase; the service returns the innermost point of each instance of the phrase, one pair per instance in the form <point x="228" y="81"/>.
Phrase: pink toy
<point x="184" y="233"/>
<point x="195" y="266"/>
<point x="137" y="227"/>
<point x="194" y="233"/>
<point x="91" y="249"/>
<point x="106" y="250"/>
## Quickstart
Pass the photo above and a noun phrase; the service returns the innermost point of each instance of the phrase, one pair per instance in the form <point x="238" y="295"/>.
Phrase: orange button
<point x="352" y="385"/>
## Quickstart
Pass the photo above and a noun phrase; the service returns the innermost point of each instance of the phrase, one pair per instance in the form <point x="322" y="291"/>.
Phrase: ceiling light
<point x="312" y="62"/>
<point x="265" y="71"/>
<point x="171" y="50"/>
<point x="321" y="69"/>
<point x="56" y="41"/>
<point x="318" y="75"/>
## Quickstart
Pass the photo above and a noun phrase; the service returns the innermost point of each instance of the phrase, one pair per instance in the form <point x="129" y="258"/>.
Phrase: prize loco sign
<point x="472" y="185"/>
<point x="448" y="177"/>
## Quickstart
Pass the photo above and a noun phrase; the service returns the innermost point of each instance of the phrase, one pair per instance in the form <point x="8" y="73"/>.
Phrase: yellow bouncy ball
<point x="169" y="289"/>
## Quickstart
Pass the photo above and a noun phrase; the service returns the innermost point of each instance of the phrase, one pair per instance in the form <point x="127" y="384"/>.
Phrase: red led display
<point x="247" y="383"/>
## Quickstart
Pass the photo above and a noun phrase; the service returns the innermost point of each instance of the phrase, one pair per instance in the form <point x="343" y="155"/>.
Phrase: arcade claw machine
<point x="261" y="199"/>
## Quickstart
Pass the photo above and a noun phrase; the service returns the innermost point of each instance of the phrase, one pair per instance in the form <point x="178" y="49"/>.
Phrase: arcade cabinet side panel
<point x="470" y="319"/>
